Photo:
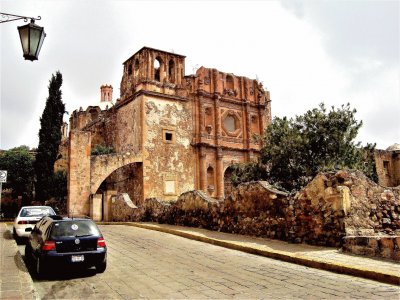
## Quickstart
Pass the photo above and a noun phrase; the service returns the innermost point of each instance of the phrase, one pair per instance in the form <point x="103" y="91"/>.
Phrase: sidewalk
<point x="324" y="258"/>
<point x="15" y="280"/>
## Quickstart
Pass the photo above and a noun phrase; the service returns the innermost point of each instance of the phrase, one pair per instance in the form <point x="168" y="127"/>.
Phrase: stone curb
<point x="318" y="263"/>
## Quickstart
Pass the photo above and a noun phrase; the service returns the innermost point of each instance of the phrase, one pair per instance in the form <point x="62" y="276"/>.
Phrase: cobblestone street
<point x="149" y="264"/>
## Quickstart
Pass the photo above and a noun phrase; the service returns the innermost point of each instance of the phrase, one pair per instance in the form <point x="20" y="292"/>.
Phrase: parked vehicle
<point x="58" y="241"/>
<point x="26" y="219"/>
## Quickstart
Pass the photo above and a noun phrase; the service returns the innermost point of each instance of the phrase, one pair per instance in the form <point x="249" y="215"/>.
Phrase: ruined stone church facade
<point x="170" y="132"/>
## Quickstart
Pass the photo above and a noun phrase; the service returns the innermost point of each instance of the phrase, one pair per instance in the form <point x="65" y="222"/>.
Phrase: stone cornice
<point x="213" y="96"/>
<point x="226" y="148"/>
<point x="150" y="93"/>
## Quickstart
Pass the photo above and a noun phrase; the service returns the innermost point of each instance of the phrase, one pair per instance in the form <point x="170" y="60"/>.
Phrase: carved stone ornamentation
<point x="229" y="92"/>
<point x="207" y="80"/>
<point x="209" y="129"/>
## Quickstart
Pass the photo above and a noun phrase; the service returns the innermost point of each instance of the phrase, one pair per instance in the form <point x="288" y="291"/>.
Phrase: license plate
<point x="77" y="258"/>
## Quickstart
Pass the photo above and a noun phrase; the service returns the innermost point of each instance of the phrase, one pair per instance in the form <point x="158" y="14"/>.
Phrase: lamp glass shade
<point x="32" y="37"/>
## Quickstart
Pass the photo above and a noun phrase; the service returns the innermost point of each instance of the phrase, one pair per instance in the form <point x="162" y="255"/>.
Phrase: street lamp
<point x="31" y="35"/>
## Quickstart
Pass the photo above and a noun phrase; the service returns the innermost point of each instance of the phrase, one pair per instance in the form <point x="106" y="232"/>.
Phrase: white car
<point x="26" y="219"/>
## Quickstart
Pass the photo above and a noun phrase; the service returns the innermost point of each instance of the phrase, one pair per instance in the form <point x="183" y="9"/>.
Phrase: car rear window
<point x="36" y="212"/>
<point x="74" y="228"/>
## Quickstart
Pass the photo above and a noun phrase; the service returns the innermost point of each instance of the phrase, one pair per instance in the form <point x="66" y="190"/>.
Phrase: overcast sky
<point x="305" y="53"/>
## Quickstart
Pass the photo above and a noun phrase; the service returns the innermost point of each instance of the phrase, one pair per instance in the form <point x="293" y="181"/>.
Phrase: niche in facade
<point x="229" y="82"/>
<point x="210" y="181"/>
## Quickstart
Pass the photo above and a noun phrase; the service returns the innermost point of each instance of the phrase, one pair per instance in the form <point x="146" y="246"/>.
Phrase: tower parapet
<point x="152" y="70"/>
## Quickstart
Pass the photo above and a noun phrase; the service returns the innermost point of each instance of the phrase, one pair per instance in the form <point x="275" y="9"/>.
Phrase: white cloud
<point x="305" y="52"/>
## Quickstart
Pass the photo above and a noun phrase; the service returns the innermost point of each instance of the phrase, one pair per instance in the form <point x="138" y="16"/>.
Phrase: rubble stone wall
<point x="336" y="209"/>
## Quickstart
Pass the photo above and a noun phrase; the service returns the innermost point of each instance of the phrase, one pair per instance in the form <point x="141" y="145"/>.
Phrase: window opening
<point x="157" y="69"/>
<point x="168" y="136"/>
<point x="171" y="71"/>
<point x="230" y="123"/>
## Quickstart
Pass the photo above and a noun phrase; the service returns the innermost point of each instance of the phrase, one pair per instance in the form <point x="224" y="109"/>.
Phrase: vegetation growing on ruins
<point x="296" y="149"/>
<point x="102" y="149"/>
<point x="49" y="139"/>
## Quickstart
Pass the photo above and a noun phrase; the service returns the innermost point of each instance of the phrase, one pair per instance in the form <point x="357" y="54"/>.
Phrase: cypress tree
<point x="49" y="138"/>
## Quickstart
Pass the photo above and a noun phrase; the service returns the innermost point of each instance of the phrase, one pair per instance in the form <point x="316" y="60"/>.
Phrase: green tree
<point x="20" y="173"/>
<point x="59" y="191"/>
<point x="49" y="138"/>
<point x="295" y="150"/>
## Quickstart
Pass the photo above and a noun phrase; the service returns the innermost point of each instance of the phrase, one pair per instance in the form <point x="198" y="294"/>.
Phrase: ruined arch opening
<point x="94" y="114"/>
<point x="228" y="185"/>
<point x="127" y="179"/>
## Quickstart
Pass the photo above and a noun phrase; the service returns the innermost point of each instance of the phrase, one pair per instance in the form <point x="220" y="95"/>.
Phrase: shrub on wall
<point x="102" y="149"/>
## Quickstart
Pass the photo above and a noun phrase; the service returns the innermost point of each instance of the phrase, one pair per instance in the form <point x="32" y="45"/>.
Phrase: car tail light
<point x="101" y="243"/>
<point x="22" y="222"/>
<point x="49" y="245"/>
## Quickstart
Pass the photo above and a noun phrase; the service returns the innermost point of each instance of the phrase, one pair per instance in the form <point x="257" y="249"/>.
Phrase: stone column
<point x="247" y="126"/>
<point x="220" y="174"/>
<point x="217" y="115"/>
<point x="201" y="118"/>
<point x="203" y="170"/>
<point x="178" y="75"/>
<point x="79" y="150"/>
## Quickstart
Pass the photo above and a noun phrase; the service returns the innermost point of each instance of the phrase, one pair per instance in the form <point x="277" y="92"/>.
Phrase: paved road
<point x="150" y="264"/>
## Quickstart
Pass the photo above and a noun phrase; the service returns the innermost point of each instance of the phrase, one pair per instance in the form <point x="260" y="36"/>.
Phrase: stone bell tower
<point x="106" y="93"/>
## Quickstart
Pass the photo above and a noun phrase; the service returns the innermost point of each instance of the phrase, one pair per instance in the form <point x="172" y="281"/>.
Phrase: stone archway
<point x="127" y="180"/>
<point x="87" y="172"/>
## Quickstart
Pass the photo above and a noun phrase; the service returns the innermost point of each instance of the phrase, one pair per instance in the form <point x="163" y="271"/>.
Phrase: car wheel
<point x="100" y="268"/>
<point x="40" y="267"/>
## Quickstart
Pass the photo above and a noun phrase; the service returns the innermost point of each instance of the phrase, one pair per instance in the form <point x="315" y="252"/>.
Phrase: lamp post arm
<point x="4" y="17"/>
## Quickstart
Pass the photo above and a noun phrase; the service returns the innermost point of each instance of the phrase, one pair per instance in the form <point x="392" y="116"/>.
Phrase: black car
<point x="57" y="241"/>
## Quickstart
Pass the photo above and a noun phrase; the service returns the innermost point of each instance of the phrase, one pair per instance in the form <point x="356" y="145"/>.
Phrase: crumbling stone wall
<point x="341" y="208"/>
